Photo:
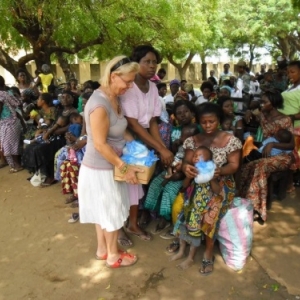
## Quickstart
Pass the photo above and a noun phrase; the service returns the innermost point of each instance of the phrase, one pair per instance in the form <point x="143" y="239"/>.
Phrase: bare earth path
<point x="44" y="257"/>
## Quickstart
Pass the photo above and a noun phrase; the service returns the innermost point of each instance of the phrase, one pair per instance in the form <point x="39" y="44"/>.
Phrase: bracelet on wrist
<point x="123" y="169"/>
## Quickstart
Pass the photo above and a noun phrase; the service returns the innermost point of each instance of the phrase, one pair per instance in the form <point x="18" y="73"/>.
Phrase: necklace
<point x="114" y="100"/>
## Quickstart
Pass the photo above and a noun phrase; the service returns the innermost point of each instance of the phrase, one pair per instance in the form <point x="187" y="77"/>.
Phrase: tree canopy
<point x="179" y="29"/>
<point x="43" y="28"/>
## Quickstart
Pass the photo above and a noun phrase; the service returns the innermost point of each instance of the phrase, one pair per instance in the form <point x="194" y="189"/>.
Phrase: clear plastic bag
<point x="206" y="171"/>
<point x="135" y="153"/>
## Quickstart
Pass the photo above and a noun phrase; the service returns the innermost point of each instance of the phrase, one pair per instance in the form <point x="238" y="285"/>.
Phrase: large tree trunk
<point x="204" y="71"/>
<point x="12" y="65"/>
<point x="286" y="47"/>
<point x="251" y="50"/>
<point x="203" y="67"/>
<point x="181" y="68"/>
<point x="64" y="64"/>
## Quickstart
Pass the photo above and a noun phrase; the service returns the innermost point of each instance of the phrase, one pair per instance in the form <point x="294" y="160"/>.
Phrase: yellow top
<point x="46" y="80"/>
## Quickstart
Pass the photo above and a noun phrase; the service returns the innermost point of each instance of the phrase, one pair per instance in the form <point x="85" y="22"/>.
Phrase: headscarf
<point x="174" y="81"/>
<point x="226" y="87"/>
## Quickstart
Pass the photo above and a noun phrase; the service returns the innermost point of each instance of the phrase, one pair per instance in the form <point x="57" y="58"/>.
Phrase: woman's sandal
<point x="46" y="184"/>
<point x="74" y="218"/>
<point x="15" y="170"/>
<point x="143" y="235"/>
<point x="125" y="241"/>
<point x="104" y="257"/>
<point x="257" y="218"/>
<point x="74" y="204"/>
<point x="160" y="227"/>
<point x="206" y="263"/>
<point x="70" y="199"/>
<point x="118" y="263"/>
<point x="173" y="247"/>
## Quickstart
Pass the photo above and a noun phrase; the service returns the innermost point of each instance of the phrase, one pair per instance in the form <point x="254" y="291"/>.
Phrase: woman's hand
<point x="217" y="173"/>
<point x="166" y="156"/>
<point x="46" y="137"/>
<point x="267" y="150"/>
<point x="130" y="175"/>
<point x="190" y="171"/>
<point x="178" y="167"/>
<point x="79" y="145"/>
<point x="70" y="137"/>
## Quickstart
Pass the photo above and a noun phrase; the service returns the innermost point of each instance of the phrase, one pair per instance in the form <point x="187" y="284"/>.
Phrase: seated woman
<point x="67" y="169"/>
<point x="237" y="125"/>
<point x="226" y="155"/>
<point x="255" y="174"/>
<point x="160" y="198"/>
<point x="40" y="157"/>
<point x="29" y="112"/>
<point x="208" y="94"/>
<point x="10" y="129"/>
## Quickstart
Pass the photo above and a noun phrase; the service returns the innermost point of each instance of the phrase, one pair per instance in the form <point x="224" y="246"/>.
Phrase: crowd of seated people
<point x="181" y="127"/>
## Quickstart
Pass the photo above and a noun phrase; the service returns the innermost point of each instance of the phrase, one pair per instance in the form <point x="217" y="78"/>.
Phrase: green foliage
<point x="178" y="28"/>
<point x="272" y="24"/>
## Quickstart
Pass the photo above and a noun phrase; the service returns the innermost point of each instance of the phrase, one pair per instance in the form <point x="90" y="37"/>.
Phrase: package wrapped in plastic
<point x="206" y="171"/>
<point x="135" y="153"/>
<point x="135" y="149"/>
<point x="236" y="233"/>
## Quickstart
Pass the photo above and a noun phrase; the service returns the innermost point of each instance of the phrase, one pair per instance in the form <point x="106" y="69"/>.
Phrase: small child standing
<point x="196" y="204"/>
<point x="186" y="132"/>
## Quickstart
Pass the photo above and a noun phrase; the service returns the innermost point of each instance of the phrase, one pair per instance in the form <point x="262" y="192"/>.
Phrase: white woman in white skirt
<point x="102" y="200"/>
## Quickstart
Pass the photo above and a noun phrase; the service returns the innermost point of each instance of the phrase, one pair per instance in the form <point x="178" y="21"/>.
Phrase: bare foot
<point x="177" y="256"/>
<point x="185" y="264"/>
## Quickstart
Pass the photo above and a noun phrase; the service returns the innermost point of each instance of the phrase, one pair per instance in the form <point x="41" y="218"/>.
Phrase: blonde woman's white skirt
<point x="102" y="200"/>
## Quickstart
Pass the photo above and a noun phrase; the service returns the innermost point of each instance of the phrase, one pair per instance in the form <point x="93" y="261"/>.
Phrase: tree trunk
<point x="181" y="69"/>
<point x="251" y="50"/>
<point x="64" y="64"/>
<point x="182" y="72"/>
<point x="203" y="67"/>
<point x="284" y="47"/>
<point x="204" y="71"/>
<point x="12" y="65"/>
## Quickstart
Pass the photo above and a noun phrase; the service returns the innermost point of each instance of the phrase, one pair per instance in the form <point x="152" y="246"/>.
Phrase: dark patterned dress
<point x="254" y="180"/>
<point x="202" y="208"/>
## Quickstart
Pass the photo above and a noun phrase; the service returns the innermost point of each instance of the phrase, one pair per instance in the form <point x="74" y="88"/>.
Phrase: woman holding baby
<point x="226" y="152"/>
<point x="254" y="180"/>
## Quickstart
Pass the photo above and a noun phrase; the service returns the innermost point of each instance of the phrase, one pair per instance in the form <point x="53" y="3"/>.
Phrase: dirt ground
<point x="44" y="257"/>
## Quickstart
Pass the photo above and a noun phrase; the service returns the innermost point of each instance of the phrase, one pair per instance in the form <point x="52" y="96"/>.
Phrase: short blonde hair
<point x="123" y="69"/>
